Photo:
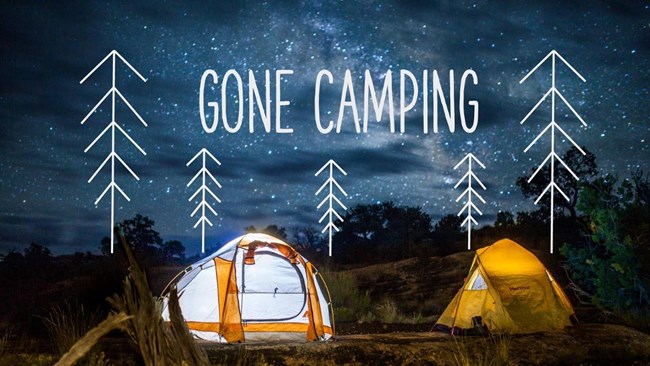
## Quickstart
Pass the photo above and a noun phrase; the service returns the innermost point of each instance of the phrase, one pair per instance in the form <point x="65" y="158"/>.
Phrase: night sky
<point x="268" y="178"/>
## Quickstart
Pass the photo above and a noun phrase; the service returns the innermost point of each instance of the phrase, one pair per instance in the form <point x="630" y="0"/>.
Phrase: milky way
<point x="269" y="178"/>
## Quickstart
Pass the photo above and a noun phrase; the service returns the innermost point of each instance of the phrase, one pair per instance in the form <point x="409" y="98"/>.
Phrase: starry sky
<point x="268" y="178"/>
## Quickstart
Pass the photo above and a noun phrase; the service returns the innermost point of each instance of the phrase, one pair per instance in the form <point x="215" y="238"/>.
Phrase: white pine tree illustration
<point x="468" y="193"/>
<point x="113" y="126"/>
<point x="202" y="190"/>
<point x="553" y="127"/>
<point x="330" y="198"/>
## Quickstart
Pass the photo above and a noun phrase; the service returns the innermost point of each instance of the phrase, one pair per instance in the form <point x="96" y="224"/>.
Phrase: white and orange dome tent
<point x="254" y="288"/>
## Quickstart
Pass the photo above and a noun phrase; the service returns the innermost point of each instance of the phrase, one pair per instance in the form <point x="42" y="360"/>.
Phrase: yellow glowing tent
<point x="507" y="290"/>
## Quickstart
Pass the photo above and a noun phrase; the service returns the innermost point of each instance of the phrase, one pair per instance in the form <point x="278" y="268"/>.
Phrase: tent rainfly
<point x="254" y="288"/>
<point x="507" y="290"/>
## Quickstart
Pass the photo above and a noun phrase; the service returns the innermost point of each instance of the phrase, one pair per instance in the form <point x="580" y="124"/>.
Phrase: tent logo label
<point x="519" y="288"/>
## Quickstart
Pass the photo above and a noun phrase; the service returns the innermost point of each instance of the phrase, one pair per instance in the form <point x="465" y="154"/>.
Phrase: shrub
<point x="67" y="323"/>
<point x="611" y="266"/>
<point x="348" y="301"/>
<point x="5" y="336"/>
<point x="470" y="351"/>
<point x="389" y="312"/>
<point x="138" y="313"/>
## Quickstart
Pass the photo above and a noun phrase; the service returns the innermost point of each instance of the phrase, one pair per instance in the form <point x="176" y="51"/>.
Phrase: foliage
<point x="31" y="359"/>
<point x="172" y="251"/>
<point x="141" y="235"/>
<point x="388" y="312"/>
<point x="279" y="232"/>
<point x="309" y="241"/>
<point x="612" y="264"/>
<point x="348" y="301"/>
<point x="38" y="253"/>
<point x="158" y="343"/>
<point x="449" y="232"/>
<point x="5" y="336"/>
<point x="242" y="357"/>
<point x="584" y="166"/>
<point x="146" y="242"/>
<point x="137" y="312"/>
<point x="491" y="351"/>
<point x="504" y="220"/>
<point x="80" y="350"/>
<point x="376" y="232"/>
<point x="67" y="323"/>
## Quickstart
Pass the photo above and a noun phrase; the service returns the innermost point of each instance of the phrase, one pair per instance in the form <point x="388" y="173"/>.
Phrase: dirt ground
<point x="587" y="344"/>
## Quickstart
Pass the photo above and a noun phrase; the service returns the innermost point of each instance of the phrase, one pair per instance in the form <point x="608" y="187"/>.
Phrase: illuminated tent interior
<point x="254" y="288"/>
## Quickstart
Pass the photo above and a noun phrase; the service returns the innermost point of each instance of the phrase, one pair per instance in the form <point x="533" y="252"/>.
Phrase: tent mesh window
<point x="477" y="282"/>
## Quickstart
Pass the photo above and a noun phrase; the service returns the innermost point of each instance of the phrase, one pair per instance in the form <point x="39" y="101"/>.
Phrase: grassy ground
<point x="585" y="345"/>
<point x="411" y="291"/>
<point x="384" y="313"/>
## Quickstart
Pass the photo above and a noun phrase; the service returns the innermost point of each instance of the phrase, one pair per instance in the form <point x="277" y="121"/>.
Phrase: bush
<point x="491" y="351"/>
<point x="5" y="336"/>
<point x="612" y="265"/>
<point x="67" y="323"/>
<point x="388" y="312"/>
<point x="349" y="303"/>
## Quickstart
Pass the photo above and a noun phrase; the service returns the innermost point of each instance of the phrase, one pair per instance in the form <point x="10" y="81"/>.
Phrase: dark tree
<point x="411" y="227"/>
<point x="172" y="251"/>
<point x="140" y="234"/>
<point x="504" y="220"/>
<point x="12" y="259"/>
<point x="36" y="252"/>
<point x="105" y="245"/>
<point x="364" y="221"/>
<point x="612" y="265"/>
<point x="381" y="231"/>
<point x="279" y="232"/>
<point x="584" y="166"/>
<point x="308" y="239"/>
<point x="448" y="234"/>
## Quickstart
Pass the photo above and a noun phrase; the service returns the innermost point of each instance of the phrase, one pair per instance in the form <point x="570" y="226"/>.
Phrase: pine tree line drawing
<point x="202" y="190"/>
<point x="113" y="126"/>
<point x="468" y="193"/>
<point x="551" y="129"/>
<point x="330" y="198"/>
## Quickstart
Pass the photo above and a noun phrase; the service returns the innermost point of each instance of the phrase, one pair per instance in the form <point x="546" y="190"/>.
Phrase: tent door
<point x="273" y="289"/>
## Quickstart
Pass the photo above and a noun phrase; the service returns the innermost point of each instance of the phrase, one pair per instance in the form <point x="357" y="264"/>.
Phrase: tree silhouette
<point x="584" y="166"/>
<point x="172" y="251"/>
<point x="37" y="252"/>
<point x="142" y="237"/>
<point x="279" y="232"/>
<point x="447" y="233"/>
<point x="308" y="238"/>
<point x="380" y="232"/>
<point x="504" y="220"/>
